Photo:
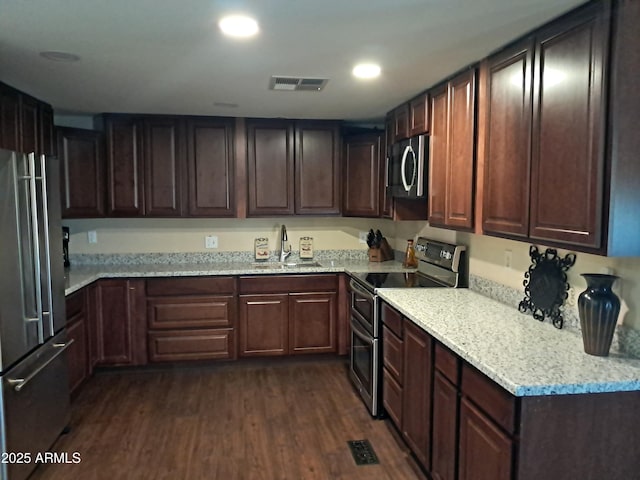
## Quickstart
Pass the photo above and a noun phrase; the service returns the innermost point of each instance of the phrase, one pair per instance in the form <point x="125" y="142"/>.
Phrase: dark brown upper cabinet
<point x="546" y="172"/>
<point x="569" y="130"/>
<point x="210" y="167"/>
<point x="317" y="168"/>
<point x="507" y="160"/>
<point x="124" y="167"/>
<point x="292" y="167"/>
<point x="419" y="115"/>
<point x="401" y="122"/>
<point x="270" y="156"/>
<point x="82" y="173"/>
<point x="9" y="118"/>
<point x="163" y="153"/>
<point x="452" y="152"/>
<point x="29" y="124"/>
<point x="361" y="160"/>
<point x="47" y="137"/>
<point x="26" y="124"/>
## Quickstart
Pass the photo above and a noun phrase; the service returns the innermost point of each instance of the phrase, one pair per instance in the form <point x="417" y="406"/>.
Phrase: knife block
<point x="382" y="253"/>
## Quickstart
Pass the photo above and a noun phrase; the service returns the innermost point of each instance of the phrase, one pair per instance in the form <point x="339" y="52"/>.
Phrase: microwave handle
<point x="407" y="150"/>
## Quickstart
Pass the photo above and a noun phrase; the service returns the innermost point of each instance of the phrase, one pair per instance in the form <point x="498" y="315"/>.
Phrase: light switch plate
<point x="92" y="236"/>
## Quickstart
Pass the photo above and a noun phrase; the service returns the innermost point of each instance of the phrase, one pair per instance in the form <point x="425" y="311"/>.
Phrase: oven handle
<point x="358" y="289"/>
<point x="361" y="333"/>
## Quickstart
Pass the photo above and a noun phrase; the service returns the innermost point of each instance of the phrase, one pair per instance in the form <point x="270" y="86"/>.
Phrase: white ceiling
<point x="167" y="56"/>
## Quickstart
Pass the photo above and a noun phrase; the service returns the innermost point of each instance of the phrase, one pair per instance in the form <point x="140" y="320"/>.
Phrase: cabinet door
<point x="263" y="325"/>
<point x="119" y="325"/>
<point x="569" y="129"/>
<point x="485" y="451"/>
<point x="401" y="122"/>
<point x="29" y="131"/>
<point x="82" y="173"/>
<point x="317" y="168"/>
<point x="438" y="155"/>
<point x="417" y="389"/>
<point x="392" y="397"/>
<point x="78" y="352"/>
<point x="445" y="429"/>
<point x="124" y="167"/>
<point x="461" y="158"/>
<point x="46" y="140"/>
<point x="312" y="323"/>
<point x="270" y="167"/>
<point x="419" y="115"/>
<point x="507" y="161"/>
<point x="362" y="176"/>
<point x="163" y="167"/>
<point x="210" y="160"/>
<point x="386" y="201"/>
<point x="9" y="118"/>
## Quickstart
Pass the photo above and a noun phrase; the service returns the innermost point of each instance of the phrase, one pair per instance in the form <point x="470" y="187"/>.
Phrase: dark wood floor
<point x="245" y="421"/>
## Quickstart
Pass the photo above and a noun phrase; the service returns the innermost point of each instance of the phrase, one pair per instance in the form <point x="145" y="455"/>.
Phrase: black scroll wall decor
<point x="545" y="284"/>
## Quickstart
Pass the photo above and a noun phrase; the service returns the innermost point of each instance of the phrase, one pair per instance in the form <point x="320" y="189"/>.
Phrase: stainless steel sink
<point x="284" y="265"/>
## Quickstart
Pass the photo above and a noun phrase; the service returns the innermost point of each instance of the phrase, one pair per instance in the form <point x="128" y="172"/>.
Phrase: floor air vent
<point x="362" y="452"/>
<point x="280" y="82"/>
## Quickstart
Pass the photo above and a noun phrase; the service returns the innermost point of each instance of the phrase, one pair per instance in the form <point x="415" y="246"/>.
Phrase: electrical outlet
<point x="362" y="237"/>
<point x="508" y="258"/>
<point x="571" y="297"/>
<point x="92" y="236"/>
<point x="211" y="241"/>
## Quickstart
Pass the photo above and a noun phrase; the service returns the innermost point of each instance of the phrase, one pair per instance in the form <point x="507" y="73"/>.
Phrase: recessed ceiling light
<point x="238" y="26"/>
<point x="60" y="56"/>
<point x="366" y="70"/>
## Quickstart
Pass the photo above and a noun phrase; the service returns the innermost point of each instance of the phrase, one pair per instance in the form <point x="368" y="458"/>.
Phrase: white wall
<point x="147" y="235"/>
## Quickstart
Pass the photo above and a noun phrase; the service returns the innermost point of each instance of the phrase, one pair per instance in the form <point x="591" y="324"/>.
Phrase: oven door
<point x="364" y="308"/>
<point x="364" y="368"/>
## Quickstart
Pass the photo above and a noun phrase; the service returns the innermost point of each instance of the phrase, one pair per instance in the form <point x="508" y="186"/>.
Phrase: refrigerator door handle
<point x="19" y="383"/>
<point x="36" y="243"/>
<point x="48" y="312"/>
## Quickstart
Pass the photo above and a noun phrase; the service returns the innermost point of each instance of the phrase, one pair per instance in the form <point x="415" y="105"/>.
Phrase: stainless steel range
<point x="440" y="265"/>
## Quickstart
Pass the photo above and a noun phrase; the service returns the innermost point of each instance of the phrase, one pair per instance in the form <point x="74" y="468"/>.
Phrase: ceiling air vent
<point x="280" y="82"/>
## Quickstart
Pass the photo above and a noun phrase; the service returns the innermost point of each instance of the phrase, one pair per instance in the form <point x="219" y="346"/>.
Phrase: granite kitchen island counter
<point x="524" y="356"/>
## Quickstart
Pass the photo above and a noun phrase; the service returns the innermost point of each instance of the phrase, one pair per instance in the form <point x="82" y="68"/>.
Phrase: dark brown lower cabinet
<point x="485" y="451"/>
<point x="191" y="318"/>
<point x="445" y="429"/>
<point x="417" y="391"/>
<point x="120" y="322"/>
<point x="263" y="325"/>
<point x="77" y="331"/>
<point x="304" y="321"/>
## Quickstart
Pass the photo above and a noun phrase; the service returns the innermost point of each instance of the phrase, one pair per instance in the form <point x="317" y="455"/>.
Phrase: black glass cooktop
<point x="396" y="280"/>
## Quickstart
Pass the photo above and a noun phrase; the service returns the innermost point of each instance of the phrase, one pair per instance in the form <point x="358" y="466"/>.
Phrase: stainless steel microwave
<point x="406" y="168"/>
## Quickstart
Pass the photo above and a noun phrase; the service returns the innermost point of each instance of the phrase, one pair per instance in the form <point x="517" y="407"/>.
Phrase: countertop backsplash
<point x="626" y="341"/>
<point x="205" y="257"/>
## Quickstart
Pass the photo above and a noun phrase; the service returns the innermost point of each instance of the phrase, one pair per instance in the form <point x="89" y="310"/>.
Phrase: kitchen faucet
<point x="285" y="250"/>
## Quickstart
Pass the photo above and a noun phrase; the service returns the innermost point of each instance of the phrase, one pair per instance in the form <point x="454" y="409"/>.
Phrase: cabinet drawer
<point x="190" y="286"/>
<point x="392" y="354"/>
<point x="75" y="304"/>
<point x="288" y="283"/>
<point x="448" y="363"/>
<point x="191" y="312"/>
<point x="392" y="397"/>
<point x="205" y="344"/>
<point x="496" y="402"/>
<point x="392" y="319"/>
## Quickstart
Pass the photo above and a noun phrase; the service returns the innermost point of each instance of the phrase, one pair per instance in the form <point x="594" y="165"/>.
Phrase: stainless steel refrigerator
<point x="34" y="406"/>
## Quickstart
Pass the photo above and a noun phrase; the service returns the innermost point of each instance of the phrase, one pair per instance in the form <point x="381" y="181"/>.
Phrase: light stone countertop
<point x="81" y="276"/>
<point x="523" y="355"/>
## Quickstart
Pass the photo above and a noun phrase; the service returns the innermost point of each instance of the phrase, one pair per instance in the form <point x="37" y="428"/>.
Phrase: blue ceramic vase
<point x="598" y="308"/>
